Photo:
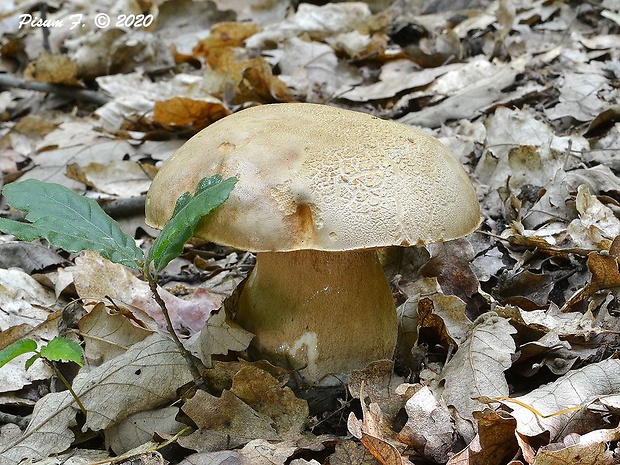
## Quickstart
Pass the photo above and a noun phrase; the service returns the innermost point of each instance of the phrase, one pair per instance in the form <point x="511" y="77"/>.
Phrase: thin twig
<point x="50" y="88"/>
<point x="198" y="380"/>
<point x="68" y="386"/>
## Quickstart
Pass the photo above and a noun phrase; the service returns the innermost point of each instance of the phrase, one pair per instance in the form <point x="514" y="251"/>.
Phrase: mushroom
<point x="319" y="190"/>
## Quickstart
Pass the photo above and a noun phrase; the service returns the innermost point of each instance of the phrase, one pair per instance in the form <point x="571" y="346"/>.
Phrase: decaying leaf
<point x="559" y="407"/>
<point x="219" y="336"/>
<point x="109" y="332"/>
<point x="429" y="428"/>
<point x="139" y="428"/>
<point x="96" y="278"/>
<point x="494" y="443"/>
<point x="265" y="394"/>
<point x="477" y="369"/>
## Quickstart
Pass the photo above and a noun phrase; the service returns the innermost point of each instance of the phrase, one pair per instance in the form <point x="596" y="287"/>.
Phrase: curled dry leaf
<point x="109" y="332"/>
<point x="477" y="369"/>
<point x="377" y="382"/>
<point x="605" y="274"/>
<point x="96" y="278"/>
<point x="375" y="435"/>
<point x="429" y="428"/>
<point x="494" y="443"/>
<point x="596" y="226"/>
<point x="559" y="407"/>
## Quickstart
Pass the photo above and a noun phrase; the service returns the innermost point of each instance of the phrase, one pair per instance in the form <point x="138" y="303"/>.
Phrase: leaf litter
<point x="508" y="344"/>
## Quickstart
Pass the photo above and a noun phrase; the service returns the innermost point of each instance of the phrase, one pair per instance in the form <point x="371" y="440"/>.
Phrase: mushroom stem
<point x="319" y="313"/>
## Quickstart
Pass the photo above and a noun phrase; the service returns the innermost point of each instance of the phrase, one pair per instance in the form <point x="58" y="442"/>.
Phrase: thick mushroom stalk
<point x="319" y="313"/>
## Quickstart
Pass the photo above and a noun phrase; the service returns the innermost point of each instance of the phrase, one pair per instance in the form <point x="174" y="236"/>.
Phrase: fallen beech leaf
<point x="109" y="332"/>
<point x="429" y="428"/>
<point x="144" y="377"/>
<point x="247" y="80"/>
<point x="264" y="393"/>
<point x="477" y="369"/>
<point x="605" y="274"/>
<point x="56" y="69"/>
<point x="140" y="427"/>
<point x="349" y="452"/>
<point x="559" y="407"/>
<point x="225" y="34"/>
<point x="221" y="335"/>
<point x="596" y="225"/>
<point x="229" y="415"/>
<point x="96" y="278"/>
<point x="184" y="111"/>
<point x="494" y="443"/>
<point x="371" y="431"/>
<point x="121" y="177"/>
<point x="378" y="383"/>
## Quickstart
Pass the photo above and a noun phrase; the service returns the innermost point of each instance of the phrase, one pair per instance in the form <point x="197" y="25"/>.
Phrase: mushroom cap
<point x="312" y="176"/>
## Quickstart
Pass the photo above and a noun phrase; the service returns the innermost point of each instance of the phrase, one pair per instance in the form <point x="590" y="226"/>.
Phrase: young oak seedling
<point x="76" y="223"/>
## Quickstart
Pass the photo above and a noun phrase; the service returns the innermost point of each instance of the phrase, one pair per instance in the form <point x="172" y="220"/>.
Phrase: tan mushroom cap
<point x="317" y="177"/>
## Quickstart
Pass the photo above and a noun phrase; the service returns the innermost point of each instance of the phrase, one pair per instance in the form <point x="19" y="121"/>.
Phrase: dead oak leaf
<point x="190" y="112"/>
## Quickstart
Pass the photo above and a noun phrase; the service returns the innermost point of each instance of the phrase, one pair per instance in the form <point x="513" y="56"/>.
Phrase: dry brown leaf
<point x="349" y="452"/>
<point x="596" y="226"/>
<point x="97" y="279"/>
<point x="559" y="407"/>
<point x="219" y="336"/>
<point x="223" y="35"/>
<point x="144" y="377"/>
<point x="187" y="112"/>
<point x="373" y="433"/>
<point x="265" y="394"/>
<point x="139" y="428"/>
<point x="122" y="178"/>
<point x="247" y="79"/>
<point x="377" y="382"/>
<point x="477" y="369"/>
<point x="494" y="443"/>
<point x="56" y="69"/>
<point x="605" y="274"/>
<point x="229" y="415"/>
<point x="109" y="332"/>
<point x="429" y="428"/>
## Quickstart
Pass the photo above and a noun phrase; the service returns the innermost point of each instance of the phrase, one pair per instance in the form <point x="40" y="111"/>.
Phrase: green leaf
<point x="23" y="346"/>
<point x="67" y="220"/>
<point x="60" y="348"/>
<point x="210" y="194"/>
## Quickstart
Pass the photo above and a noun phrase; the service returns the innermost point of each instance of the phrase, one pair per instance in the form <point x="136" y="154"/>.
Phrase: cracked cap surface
<point x="317" y="177"/>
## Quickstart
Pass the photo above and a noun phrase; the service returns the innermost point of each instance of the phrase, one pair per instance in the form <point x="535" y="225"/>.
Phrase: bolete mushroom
<point x="319" y="190"/>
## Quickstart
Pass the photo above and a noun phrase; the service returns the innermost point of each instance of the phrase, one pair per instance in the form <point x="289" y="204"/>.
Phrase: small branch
<point x="60" y="89"/>
<point x="123" y="208"/>
<point x="198" y="380"/>
<point x="68" y="386"/>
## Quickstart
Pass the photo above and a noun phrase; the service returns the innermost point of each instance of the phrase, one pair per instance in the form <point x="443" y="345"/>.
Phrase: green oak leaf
<point x="67" y="220"/>
<point x="189" y="209"/>
<point x="23" y="346"/>
<point x="63" y="349"/>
